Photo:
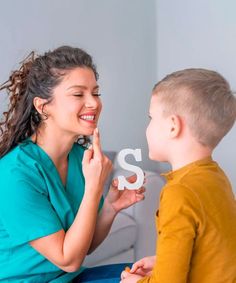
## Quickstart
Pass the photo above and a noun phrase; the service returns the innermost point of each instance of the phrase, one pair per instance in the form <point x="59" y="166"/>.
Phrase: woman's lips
<point x="89" y="118"/>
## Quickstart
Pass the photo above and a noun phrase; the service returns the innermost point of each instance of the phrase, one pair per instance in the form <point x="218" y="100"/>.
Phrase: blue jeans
<point x="106" y="273"/>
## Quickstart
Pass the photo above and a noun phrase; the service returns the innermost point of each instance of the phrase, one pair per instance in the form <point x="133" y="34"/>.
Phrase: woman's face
<point x="76" y="105"/>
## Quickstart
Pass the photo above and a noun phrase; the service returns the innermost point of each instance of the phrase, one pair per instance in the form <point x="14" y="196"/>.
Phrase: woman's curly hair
<point x="36" y="77"/>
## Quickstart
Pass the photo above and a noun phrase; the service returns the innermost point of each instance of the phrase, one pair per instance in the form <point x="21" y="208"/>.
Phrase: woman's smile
<point x="89" y="118"/>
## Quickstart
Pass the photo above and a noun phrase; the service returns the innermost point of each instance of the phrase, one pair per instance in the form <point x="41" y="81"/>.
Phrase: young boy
<point x="190" y="112"/>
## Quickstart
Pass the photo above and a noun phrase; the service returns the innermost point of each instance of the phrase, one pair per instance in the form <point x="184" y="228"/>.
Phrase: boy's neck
<point x="182" y="159"/>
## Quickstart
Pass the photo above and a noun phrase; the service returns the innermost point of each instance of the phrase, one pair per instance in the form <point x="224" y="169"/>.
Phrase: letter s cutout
<point x="122" y="182"/>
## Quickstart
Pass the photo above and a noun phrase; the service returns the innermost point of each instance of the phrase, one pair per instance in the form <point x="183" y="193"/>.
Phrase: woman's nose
<point x="91" y="102"/>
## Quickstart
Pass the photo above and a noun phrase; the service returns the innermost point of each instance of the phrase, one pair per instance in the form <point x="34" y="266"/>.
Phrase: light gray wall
<point x="121" y="36"/>
<point x="128" y="40"/>
<point x="200" y="34"/>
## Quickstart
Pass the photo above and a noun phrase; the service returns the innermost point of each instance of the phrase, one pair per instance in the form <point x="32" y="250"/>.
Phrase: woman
<point x="52" y="213"/>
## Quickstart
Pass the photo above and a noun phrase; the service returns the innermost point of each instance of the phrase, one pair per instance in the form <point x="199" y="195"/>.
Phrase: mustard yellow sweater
<point x="196" y="227"/>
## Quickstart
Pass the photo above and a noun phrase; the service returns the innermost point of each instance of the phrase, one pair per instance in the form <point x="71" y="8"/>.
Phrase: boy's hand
<point x="143" y="266"/>
<point x="127" y="277"/>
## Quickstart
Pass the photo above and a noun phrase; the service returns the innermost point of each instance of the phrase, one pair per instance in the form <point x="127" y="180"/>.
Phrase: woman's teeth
<point x="88" y="117"/>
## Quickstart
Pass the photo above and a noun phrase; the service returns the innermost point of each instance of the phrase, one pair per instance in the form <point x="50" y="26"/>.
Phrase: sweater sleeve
<point x="178" y="220"/>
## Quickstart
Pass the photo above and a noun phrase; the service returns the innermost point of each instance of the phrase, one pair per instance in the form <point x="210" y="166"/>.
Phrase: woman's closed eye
<point x="81" y="94"/>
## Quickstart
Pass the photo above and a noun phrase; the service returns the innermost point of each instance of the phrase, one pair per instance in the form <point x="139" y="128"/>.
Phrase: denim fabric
<point x="102" y="274"/>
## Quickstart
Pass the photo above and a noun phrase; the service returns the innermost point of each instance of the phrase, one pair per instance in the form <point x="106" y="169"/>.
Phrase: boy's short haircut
<point x="203" y="98"/>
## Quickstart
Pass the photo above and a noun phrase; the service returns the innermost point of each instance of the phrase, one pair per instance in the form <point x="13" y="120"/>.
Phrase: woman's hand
<point x="96" y="166"/>
<point x="120" y="199"/>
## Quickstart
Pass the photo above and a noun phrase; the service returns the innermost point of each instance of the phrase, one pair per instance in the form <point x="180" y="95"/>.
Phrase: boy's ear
<point x="175" y="126"/>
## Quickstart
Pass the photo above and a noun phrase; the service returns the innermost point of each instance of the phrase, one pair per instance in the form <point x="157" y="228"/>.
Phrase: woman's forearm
<point x="79" y="236"/>
<point x="68" y="250"/>
<point x="103" y="225"/>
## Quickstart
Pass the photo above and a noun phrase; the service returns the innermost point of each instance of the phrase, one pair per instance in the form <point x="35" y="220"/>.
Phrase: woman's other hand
<point x="121" y="199"/>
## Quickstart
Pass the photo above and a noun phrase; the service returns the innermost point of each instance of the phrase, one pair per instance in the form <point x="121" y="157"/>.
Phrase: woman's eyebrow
<point x="83" y="87"/>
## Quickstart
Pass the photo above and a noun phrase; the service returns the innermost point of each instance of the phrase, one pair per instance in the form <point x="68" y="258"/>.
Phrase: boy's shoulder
<point x="177" y="193"/>
<point x="195" y="172"/>
<point x="198" y="181"/>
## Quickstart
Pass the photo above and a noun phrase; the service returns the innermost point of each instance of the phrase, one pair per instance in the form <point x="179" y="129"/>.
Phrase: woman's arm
<point x="103" y="225"/>
<point x="68" y="249"/>
<point x="114" y="202"/>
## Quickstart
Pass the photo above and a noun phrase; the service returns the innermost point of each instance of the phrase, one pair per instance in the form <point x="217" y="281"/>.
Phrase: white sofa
<point x="133" y="233"/>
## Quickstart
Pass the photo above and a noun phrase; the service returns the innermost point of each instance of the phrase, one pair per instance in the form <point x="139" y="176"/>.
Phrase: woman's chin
<point x="88" y="132"/>
<point x="86" y="128"/>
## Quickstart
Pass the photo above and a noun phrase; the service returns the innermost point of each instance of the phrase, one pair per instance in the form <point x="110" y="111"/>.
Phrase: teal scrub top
<point x="34" y="203"/>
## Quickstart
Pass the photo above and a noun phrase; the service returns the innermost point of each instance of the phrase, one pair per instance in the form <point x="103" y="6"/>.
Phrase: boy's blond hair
<point x="203" y="98"/>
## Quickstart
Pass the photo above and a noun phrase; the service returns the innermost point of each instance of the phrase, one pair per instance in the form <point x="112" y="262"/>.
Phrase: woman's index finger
<point x="97" y="152"/>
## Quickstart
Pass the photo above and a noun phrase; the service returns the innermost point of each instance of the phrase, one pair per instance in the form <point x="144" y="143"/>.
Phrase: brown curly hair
<point x="36" y="77"/>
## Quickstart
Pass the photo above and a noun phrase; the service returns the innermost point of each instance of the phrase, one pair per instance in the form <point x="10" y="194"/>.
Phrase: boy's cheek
<point x="156" y="150"/>
<point x="151" y="149"/>
<point x="155" y="156"/>
<point x="151" y="157"/>
<point x="148" y="133"/>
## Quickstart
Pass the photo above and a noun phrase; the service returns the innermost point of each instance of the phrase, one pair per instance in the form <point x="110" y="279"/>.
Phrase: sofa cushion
<point x="121" y="238"/>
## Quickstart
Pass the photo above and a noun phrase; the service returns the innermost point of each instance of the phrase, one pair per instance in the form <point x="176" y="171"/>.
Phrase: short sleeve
<point x="25" y="209"/>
